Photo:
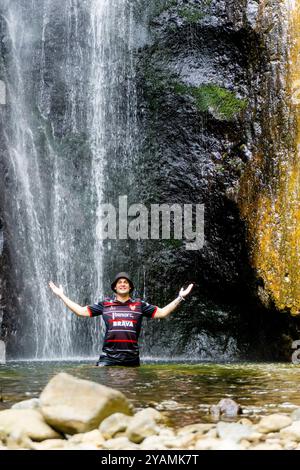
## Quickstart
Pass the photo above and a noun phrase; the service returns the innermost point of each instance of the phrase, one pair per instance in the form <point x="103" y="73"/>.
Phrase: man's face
<point x="122" y="286"/>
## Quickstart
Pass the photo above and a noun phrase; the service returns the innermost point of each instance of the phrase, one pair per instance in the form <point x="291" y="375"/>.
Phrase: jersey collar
<point x="116" y="300"/>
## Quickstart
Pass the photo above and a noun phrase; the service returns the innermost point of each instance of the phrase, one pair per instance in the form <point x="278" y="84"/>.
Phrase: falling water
<point x="69" y="72"/>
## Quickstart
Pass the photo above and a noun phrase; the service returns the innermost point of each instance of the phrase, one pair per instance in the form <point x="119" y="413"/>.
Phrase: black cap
<point x="118" y="276"/>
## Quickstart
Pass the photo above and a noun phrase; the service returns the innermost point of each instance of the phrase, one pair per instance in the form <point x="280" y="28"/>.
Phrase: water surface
<point x="183" y="391"/>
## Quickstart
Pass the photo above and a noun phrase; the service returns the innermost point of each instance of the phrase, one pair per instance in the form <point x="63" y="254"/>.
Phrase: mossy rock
<point x="194" y="13"/>
<point x="191" y="13"/>
<point x="221" y="103"/>
<point x="159" y="6"/>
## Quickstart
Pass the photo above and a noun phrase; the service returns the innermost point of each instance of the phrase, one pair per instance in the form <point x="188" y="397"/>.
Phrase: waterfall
<point x="70" y="115"/>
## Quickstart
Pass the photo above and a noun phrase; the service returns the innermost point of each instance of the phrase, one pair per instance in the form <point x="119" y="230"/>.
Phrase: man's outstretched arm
<point x="165" y="311"/>
<point x="77" y="309"/>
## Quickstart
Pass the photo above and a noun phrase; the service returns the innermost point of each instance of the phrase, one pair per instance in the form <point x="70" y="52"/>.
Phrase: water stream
<point x="69" y="70"/>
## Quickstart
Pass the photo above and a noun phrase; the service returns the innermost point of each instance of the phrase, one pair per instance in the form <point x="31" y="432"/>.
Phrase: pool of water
<point x="183" y="391"/>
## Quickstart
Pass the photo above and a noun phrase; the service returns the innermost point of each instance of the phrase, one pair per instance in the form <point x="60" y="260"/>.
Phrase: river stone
<point x="83" y="446"/>
<point x="184" y="441"/>
<point x="245" y="443"/>
<point x="256" y="436"/>
<point x="120" y="443"/>
<point x="228" y="444"/>
<point x="31" y="404"/>
<point x="50" y="444"/>
<point x="2" y="434"/>
<point x="166" y="432"/>
<point x="197" y="428"/>
<point x="152" y="443"/>
<point x="273" y="441"/>
<point x="168" y="405"/>
<point x="151" y="414"/>
<point x="115" y="423"/>
<point x="73" y="405"/>
<point x="291" y="432"/>
<point x="26" y="423"/>
<point x="92" y="437"/>
<point x="207" y="444"/>
<point x="227" y="408"/>
<point x="141" y="427"/>
<point x="17" y="440"/>
<point x="266" y="447"/>
<point x="245" y="421"/>
<point x="233" y="431"/>
<point x="212" y="433"/>
<point x="289" y="445"/>
<point x="296" y="415"/>
<point x="273" y="423"/>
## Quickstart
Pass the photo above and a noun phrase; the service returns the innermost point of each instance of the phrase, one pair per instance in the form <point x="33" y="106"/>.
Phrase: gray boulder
<point x="73" y="405"/>
<point x="227" y="408"/>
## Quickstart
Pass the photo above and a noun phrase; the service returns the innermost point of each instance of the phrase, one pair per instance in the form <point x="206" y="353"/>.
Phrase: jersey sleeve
<point x="95" y="309"/>
<point x="148" y="310"/>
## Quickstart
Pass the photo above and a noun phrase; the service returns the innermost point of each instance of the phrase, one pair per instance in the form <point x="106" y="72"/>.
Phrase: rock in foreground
<point x="73" y="405"/>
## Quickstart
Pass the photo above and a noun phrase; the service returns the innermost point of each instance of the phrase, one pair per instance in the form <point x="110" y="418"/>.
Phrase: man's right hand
<point x="57" y="290"/>
<point x="80" y="311"/>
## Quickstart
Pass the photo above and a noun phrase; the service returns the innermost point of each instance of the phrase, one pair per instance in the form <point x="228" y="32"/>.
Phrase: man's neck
<point x="122" y="298"/>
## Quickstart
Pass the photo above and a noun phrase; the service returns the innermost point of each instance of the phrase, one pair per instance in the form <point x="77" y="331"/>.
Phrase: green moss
<point x="193" y="14"/>
<point x="159" y="6"/>
<point x="218" y="101"/>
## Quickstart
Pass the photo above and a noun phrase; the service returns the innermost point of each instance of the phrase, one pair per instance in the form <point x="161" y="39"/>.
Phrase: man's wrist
<point x="180" y="298"/>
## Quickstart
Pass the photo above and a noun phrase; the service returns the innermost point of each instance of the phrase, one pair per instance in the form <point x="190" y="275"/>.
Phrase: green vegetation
<point x="191" y="14"/>
<point x="221" y="103"/>
<point x="160" y="6"/>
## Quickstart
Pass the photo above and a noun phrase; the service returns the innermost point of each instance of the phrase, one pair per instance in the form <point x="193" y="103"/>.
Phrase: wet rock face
<point x="196" y="88"/>
<point x="206" y="75"/>
<point x="209" y="90"/>
<point x="270" y="205"/>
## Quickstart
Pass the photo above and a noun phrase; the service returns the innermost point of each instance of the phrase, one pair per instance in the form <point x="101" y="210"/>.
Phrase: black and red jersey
<point x="123" y="321"/>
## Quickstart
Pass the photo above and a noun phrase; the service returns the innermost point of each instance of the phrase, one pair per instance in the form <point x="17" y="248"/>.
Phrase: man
<point x="122" y="316"/>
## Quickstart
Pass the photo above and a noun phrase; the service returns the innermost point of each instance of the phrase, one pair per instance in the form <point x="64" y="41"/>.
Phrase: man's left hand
<point x="184" y="292"/>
